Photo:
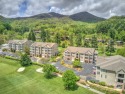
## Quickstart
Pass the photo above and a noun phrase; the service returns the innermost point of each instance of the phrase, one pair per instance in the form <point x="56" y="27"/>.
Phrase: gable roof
<point x="80" y="49"/>
<point x="17" y="41"/>
<point x="114" y="63"/>
<point x="43" y="44"/>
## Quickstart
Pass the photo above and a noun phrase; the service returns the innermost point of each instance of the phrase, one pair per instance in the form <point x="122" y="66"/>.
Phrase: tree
<point x="47" y="36"/>
<point x="111" y="33"/>
<point x="27" y="50"/>
<point x="110" y="48"/>
<point x="43" y="35"/>
<point x="86" y="44"/>
<point x="94" y="43"/>
<point x="79" y="40"/>
<point x="25" y="60"/>
<point x="49" y="69"/>
<point x="71" y="40"/>
<point x="31" y="36"/>
<point x="58" y="38"/>
<point x="76" y="63"/>
<point x="121" y="52"/>
<point x="62" y="62"/>
<point x="69" y="79"/>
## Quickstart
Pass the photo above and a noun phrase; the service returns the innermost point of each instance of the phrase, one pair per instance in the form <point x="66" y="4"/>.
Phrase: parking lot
<point x="87" y="70"/>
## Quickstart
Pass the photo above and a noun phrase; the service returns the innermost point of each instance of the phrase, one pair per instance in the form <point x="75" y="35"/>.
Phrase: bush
<point x="77" y="78"/>
<point x="102" y="83"/>
<point x="76" y="63"/>
<point x="49" y="70"/>
<point x="4" y="50"/>
<point x="62" y="62"/>
<point x="105" y="90"/>
<point x="12" y="58"/>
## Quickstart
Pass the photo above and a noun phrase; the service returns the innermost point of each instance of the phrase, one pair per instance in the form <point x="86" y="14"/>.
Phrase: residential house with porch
<point x="86" y="55"/>
<point x="19" y="45"/>
<point x="43" y="49"/>
<point x="111" y="70"/>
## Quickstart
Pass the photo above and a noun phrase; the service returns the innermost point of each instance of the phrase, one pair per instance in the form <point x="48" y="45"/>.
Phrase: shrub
<point x="4" y="50"/>
<point x="62" y="62"/>
<point x="77" y="78"/>
<point x="102" y="83"/>
<point x="49" y="70"/>
<point x="76" y="63"/>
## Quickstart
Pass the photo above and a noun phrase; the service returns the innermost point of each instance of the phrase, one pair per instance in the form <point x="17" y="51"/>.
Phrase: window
<point x="98" y="73"/>
<point x="121" y="75"/>
<point x="120" y="80"/>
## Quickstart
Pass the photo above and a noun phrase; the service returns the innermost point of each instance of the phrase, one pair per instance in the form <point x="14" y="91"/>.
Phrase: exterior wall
<point x="20" y="47"/>
<point x="106" y="76"/>
<point x="44" y="52"/>
<point x="87" y="58"/>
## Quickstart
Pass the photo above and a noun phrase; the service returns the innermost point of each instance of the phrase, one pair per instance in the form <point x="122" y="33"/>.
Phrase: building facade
<point x="44" y="50"/>
<point x="86" y="55"/>
<point x="112" y="71"/>
<point x="19" y="45"/>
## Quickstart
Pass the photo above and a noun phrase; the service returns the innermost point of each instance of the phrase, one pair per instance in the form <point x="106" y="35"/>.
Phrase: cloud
<point x="102" y="8"/>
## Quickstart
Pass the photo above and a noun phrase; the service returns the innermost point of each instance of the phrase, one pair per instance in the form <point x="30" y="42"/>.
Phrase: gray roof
<point x="114" y="63"/>
<point x="80" y="49"/>
<point x="43" y="44"/>
<point x="17" y="41"/>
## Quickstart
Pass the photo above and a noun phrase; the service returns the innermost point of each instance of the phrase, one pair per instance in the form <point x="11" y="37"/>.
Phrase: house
<point x="119" y="43"/>
<point x="43" y="49"/>
<point x="87" y="55"/>
<point x="101" y="40"/>
<point x="37" y="34"/>
<point x="111" y="70"/>
<point x="19" y="45"/>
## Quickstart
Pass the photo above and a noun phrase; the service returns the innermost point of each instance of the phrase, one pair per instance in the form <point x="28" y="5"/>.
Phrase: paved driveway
<point x="87" y="69"/>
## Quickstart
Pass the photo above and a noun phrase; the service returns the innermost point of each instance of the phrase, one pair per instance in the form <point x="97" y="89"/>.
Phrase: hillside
<point x="82" y="16"/>
<point x="85" y="17"/>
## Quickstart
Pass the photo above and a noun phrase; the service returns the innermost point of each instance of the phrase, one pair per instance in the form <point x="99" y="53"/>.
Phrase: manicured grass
<point x="30" y="82"/>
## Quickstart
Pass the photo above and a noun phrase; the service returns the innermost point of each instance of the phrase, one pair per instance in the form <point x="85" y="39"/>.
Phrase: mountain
<point x="85" y="17"/>
<point x="82" y="16"/>
<point x="48" y="15"/>
<point x="43" y="16"/>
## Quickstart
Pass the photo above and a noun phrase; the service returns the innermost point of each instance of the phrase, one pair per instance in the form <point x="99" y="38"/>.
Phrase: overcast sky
<point x="22" y="8"/>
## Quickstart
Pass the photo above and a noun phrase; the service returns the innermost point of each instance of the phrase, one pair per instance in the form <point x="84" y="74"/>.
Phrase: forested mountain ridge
<point x="85" y="17"/>
<point x="64" y="31"/>
<point x="82" y="16"/>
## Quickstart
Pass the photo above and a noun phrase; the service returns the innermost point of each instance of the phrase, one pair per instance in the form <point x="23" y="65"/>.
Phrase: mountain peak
<point x="85" y="17"/>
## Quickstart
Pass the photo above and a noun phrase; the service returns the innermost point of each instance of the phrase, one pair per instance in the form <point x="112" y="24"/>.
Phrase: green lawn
<point x="30" y="82"/>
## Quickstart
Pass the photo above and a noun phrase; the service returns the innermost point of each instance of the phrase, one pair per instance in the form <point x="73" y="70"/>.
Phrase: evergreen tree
<point x="71" y="40"/>
<point x="25" y="60"/>
<point x="47" y="36"/>
<point x="79" y="40"/>
<point x="43" y="35"/>
<point x="58" y="38"/>
<point x="94" y="43"/>
<point x="86" y="44"/>
<point x="110" y="48"/>
<point x="111" y="33"/>
<point x="31" y="36"/>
